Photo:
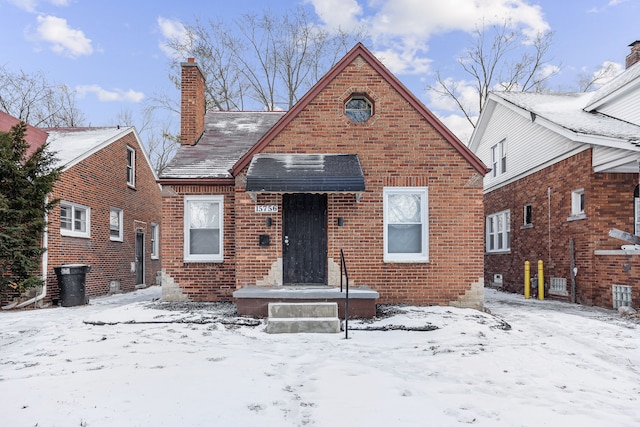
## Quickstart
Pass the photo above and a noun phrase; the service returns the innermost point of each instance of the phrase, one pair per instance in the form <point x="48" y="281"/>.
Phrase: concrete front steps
<point x="309" y="317"/>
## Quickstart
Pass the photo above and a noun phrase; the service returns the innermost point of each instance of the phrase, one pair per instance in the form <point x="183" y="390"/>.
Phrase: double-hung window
<point x="203" y="228"/>
<point x="131" y="167"/>
<point x="115" y="224"/>
<point x="406" y="226"/>
<point x="498" y="235"/>
<point x="499" y="158"/>
<point x="75" y="220"/>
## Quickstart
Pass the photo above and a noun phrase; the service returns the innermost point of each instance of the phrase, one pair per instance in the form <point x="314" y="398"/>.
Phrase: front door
<point x="304" y="248"/>
<point x="139" y="258"/>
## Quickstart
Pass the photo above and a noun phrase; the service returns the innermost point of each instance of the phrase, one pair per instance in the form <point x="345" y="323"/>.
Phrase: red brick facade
<point x="609" y="203"/>
<point x="192" y="103"/>
<point x="399" y="146"/>
<point x="99" y="182"/>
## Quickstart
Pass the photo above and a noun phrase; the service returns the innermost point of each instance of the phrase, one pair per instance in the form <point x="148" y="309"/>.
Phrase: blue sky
<point x="111" y="51"/>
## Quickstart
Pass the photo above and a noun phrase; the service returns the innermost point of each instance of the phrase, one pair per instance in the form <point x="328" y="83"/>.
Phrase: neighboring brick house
<point x="564" y="174"/>
<point x="109" y="210"/>
<point x="268" y="200"/>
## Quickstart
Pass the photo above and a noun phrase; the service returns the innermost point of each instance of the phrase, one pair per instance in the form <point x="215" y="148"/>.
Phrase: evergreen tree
<point x="25" y="183"/>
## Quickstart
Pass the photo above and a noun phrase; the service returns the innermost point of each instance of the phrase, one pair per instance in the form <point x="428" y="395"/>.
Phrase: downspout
<point x="45" y="264"/>
<point x="549" y="223"/>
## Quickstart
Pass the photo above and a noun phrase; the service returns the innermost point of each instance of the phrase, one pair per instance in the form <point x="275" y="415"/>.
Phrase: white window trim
<point x="120" y="236"/>
<point x="506" y="234"/>
<point x="203" y="258"/>
<point x="636" y="210"/>
<point x="498" y="154"/>
<point x="131" y="182"/>
<point x="576" y="211"/>
<point x="155" y="236"/>
<point x="408" y="257"/>
<point x="72" y="233"/>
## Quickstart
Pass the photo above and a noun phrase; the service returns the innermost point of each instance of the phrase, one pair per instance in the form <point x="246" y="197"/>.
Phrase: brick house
<point x="267" y="200"/>
<point x="564" y="174"/>
<point x="109" y="209"/>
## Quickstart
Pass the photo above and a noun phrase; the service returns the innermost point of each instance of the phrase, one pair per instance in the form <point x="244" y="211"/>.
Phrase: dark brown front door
<point x="304" y="253"/>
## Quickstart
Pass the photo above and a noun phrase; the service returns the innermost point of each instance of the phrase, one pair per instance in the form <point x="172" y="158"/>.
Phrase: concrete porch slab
<point x="254" y="300"/>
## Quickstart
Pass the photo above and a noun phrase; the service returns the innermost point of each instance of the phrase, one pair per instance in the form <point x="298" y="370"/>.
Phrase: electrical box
<point x="264" y="240"/>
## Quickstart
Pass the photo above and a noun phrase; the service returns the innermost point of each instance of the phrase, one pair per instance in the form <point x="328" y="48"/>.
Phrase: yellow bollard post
<point x="527" y="280"/>
<point x="540" y="280"/>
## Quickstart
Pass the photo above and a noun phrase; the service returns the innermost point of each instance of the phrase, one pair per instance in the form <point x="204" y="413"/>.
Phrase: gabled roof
<point x="565" y="112"/>
<point x="228" y="135"/>
<point x="34" y="136"/>
<point x="73" y="145"/>
<point x="360" y="50"/>
<point x="624" y="82"/>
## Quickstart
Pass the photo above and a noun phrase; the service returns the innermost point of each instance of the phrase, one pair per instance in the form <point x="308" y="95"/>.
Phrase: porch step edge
<point x="303" y="325"/>
<point x="303" y="310"/>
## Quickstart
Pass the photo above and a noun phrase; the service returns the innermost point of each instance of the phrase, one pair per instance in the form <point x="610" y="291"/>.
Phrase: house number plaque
<point x="266" y="208"/>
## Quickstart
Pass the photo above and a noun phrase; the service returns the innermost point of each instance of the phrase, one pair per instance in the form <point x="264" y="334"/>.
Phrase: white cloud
<point x="402" y="29"/>
<point x="31" y="5"/>
<point x="62" y="39"/>
<point x="407" y="61"/>
<point x="343" y="14"/>
<point x="171" y="29"/>
<point x="548" y="70"/>
<point x="607" y="71"/>
<point x="465" y="91"/>
<point x="459" y="125"/>
<point x="110" y="96"/>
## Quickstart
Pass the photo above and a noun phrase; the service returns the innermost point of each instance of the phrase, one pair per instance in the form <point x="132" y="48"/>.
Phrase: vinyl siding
<point x="529" y="145"/>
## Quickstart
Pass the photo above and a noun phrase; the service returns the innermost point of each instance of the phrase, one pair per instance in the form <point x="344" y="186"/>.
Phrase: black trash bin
<point x="72" y="282"/>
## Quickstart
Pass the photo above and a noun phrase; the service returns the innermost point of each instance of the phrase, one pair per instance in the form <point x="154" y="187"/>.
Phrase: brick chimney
<point x="634" y="56"/>
<point x="192" y="103"/>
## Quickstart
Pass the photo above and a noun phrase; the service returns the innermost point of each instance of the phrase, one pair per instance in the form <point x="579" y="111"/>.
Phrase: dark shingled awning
<point x="305" y="173"/>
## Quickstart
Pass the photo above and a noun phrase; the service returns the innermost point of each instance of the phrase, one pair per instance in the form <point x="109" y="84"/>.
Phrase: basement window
<point x="621" y="296"/>
<point x="558" y="286"/>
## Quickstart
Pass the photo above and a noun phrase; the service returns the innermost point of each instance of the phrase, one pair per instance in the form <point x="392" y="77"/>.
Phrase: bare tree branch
<point x="37" y="101"/>
<point x="501" y="58"/>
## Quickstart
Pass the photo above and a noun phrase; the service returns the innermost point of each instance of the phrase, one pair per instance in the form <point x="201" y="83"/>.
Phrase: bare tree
<point x="37" y="101"/>
<point x="602" y="75"/>
<point x="269" y="64"/>
<point x="159" y="143"/>
<point x="161" y="146"/>
<point x="501" y="58"/>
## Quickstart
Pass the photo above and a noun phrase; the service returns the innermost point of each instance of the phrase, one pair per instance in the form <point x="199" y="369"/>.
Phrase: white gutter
<point x="45" y="264"/>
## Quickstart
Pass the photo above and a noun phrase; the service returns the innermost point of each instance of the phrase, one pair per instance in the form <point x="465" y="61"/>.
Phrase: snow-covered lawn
<point x="125" y="360"/>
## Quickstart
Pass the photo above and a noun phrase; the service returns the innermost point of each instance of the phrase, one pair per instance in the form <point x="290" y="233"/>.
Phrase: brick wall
<point x="192" y="103"/>
<point x="608" y="204"/>
<point x="99" y="182"/>
<point x="195" y="281"/>
<point x="396" y="147"/>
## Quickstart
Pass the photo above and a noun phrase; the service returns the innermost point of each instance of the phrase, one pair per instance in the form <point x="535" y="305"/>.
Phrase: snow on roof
<point x="227" y="136"/>
<point x="567" y="110"/>
<point x="628" y="76"/>
<point x="72" y="145"/>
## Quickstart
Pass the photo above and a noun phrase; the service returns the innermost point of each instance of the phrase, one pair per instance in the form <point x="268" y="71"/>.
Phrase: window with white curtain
<point x="406" y="227"/>
<point x="203" y="228"/>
